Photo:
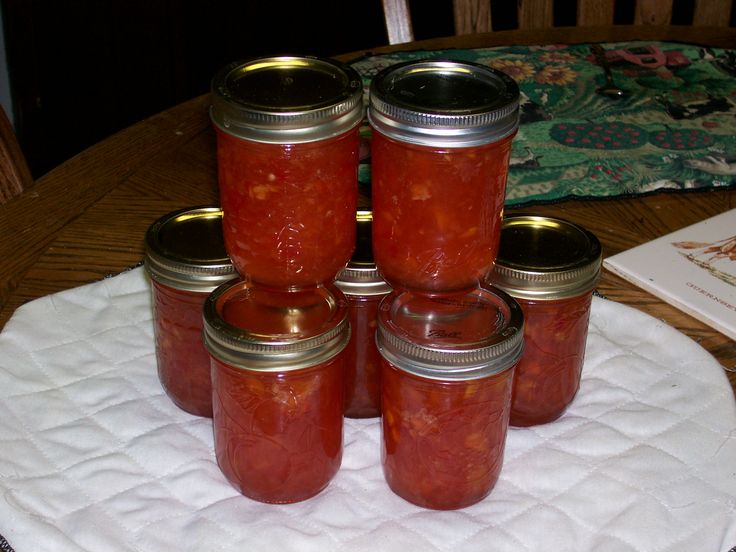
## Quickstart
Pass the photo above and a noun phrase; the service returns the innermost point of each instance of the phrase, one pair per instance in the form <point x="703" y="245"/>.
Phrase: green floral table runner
<point x="675" y="129"/>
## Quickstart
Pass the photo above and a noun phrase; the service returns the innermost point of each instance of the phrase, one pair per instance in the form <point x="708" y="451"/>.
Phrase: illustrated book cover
<point x="693" y="269"/>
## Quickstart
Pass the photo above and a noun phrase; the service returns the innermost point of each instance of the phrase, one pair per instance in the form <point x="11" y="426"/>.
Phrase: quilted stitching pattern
<point x="93" y="455"/>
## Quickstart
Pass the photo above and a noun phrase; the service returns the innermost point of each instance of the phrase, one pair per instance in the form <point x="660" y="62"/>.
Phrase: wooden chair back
<point x="474" y="16"/>
<point x="15" y="176"/>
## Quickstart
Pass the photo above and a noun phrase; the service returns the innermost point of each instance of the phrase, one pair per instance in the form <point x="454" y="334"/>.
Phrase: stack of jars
<point x="287" y="147"/>
<point x="440" y="150"/>
<point x="450" y="340"/>
<point x="274" y="337"/>
<point x="434" y="345"/>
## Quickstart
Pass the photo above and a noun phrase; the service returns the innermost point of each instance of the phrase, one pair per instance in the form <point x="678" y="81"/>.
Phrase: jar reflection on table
<point x="277" y="380"/>
<point x="287" y="149"/>
<point x="186" y="260"/>
<point x="439" y="167"/>
<point x="446" y="382"/>
<point x="550" y="266"/>
<point x="364" y="289"/>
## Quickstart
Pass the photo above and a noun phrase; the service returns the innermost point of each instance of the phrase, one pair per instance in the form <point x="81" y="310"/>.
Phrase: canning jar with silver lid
<point x="446" y="380"/>
<point x="364" y="288"/>
<point x="186" y="260"/>
<point x="551" y="267"/>
<point x="277" y="387"/>
<point x="440" y="151"/>
<point x="287" y="150"/>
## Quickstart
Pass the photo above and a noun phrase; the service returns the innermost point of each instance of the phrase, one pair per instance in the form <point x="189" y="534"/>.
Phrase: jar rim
<point x="442" y="353"/>
<point x="444" y="103"/>
<point x="184" y="250"/>
<point x="362" y="280"/>
<point x="546" y="258"/>
<point x="264" y="349"/>
<point x="286" y="99"/>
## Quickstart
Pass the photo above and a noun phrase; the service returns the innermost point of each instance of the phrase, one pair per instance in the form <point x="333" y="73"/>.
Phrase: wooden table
<point x="86" y="219"/>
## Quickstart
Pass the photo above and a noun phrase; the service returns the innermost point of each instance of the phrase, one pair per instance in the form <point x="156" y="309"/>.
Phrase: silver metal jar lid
<point x="546" y="258"/>
<point x="455" y="337"/>
<point x="361" y="277"/>
<point x="444" y="103"/>
<point x="287" y="99"/>
<point x="185" y="250"/>
<point x="272" y="330"/>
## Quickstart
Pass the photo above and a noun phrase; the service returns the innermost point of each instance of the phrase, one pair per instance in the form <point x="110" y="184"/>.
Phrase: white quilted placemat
<point x="94" y="457"/>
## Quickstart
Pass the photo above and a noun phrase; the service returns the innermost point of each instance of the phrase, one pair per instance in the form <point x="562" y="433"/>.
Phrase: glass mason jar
<point x="287" y="150"/>
<point x="446" y="381"/>
<point x="277" y="387"/>
<point x="186" y="260"/>
<point x="440" y="150"/>
<point x="550" y="266"/>
<point x="363" y="288"/>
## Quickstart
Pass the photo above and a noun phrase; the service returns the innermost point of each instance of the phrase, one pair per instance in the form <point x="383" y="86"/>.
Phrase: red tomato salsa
<point x="363" y="362"/>
<point x="278" y="435"/>
<point x="437" y="212"/>
<point x="443" y="442"/>
<point x="548" y="374"/>
<point x="289" y="209"/>
<point x="183" y="362"/>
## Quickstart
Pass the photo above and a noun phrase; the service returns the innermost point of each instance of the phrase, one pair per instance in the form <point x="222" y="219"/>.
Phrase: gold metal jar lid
<point x="546" y="258"/>
<point x="185" y="250"/>
<point x="444" y="103"/>
<point x="267" y="329"/>
<point x="361" y="277"/>
<point x="287" y="99"/>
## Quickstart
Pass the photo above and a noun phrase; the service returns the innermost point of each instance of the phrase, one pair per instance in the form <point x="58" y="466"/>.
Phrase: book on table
<point x="693" y="269"/>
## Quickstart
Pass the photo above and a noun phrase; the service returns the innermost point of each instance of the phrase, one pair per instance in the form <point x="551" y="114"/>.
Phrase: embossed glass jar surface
<point x="287" y="149"/>
<point x="550" y="266"/>
<point x="446" y="383"/>
<point x="364" y="289"/>
<point x="440" y="150"/>
<point x="186" y="260"/>
<point x="277" y="381"/>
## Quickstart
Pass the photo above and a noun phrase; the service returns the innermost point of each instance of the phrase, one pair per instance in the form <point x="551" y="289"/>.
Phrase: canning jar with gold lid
<point x="440" y="149"/>
<point x="551" y="267"/>
<point x="446" y="381"/>
<point x="277" y="387"/>
<point x="186" y="260"/>
<point x="287" y="149"/>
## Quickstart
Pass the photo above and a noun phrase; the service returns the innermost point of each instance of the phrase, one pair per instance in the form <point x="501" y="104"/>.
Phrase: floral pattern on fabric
<point x="675" y="129"/>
